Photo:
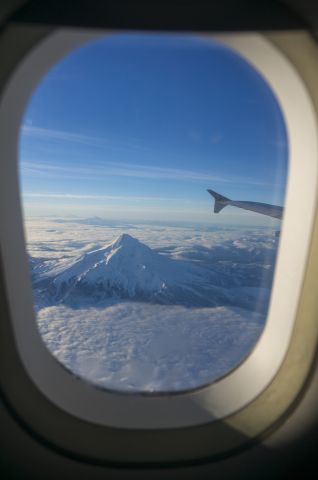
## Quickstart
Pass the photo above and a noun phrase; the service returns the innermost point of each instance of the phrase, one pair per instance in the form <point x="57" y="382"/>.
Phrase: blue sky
<point x="137" y="127"/>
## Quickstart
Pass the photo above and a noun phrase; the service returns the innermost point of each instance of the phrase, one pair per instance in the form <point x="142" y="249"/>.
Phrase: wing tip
<point x="220" y="200"/>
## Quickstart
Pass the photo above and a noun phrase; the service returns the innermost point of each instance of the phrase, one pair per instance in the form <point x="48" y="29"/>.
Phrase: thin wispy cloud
<point x="119" y="169"/>
<point x="48" y="134"/>
<point x="71" y="196"/>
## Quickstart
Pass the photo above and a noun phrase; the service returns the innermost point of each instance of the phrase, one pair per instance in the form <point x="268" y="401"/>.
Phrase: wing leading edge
<point x="263" y="208"/>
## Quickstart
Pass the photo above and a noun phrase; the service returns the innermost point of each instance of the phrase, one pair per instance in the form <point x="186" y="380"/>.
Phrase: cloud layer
<point x="140" y="346"/>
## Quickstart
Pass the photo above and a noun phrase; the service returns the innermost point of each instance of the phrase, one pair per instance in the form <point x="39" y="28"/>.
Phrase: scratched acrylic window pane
<point x="153" y="171"/>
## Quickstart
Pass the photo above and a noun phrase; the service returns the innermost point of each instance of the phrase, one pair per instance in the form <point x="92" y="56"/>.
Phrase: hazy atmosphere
<point x="138" y="285"/>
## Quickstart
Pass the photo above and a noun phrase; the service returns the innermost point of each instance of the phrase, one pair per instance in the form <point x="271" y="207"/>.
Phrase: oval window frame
<point x="242" y="385"/>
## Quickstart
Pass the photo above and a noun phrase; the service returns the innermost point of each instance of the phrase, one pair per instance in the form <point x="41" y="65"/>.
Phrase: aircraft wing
<point x="263" y="208"/>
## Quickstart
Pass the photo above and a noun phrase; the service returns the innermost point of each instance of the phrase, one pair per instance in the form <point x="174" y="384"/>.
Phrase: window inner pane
<point x="153" y="172"/>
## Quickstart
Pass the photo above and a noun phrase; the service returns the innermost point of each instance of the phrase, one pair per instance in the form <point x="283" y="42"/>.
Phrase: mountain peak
<point x="125" y="240"/>
<point x="125" y="237"/>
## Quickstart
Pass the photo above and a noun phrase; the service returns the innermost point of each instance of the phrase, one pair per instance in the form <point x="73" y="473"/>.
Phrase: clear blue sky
<point x="139" y="126"/>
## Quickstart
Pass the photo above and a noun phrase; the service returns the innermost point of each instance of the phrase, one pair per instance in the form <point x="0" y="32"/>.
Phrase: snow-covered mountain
<point x="127" y="269"/>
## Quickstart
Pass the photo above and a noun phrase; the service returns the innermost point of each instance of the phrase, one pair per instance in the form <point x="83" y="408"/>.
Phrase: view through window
<point x="143" y="279"/>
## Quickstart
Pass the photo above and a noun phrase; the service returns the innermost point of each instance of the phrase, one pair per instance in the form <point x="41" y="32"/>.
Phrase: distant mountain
<point x="96" y="221"/>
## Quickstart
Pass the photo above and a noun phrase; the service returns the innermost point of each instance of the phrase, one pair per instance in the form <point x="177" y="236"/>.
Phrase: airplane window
<point x="153" y="171"/>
